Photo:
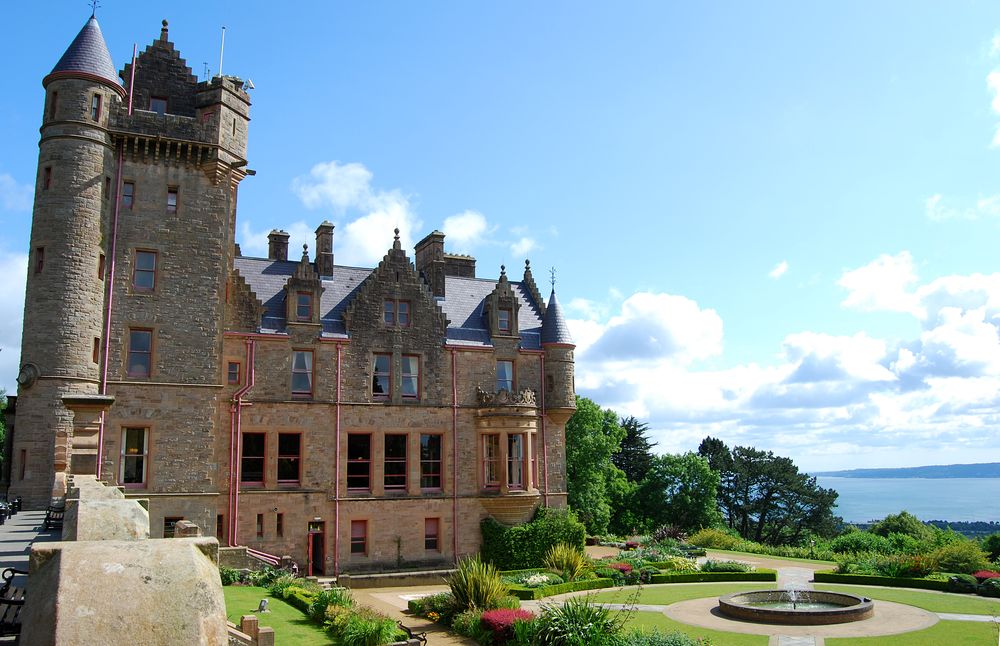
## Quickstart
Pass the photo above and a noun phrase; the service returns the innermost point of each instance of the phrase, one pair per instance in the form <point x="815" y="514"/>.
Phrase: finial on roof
<point x="94" y="4"/>
<point x="527" y="264"/>
<point x="163" y="30"/>
<point x="305" y="252"/>
<point x="552" y="277"/>
<point x="395" y="240"/>
<point x="503" y="270"/>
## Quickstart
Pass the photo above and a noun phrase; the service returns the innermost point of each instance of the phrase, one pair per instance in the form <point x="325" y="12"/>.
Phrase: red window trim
<point x="491" y="484"/>
<point x="392" y="312"/>
<point x="302" y="394"/>
<point x="297" y="457"/>
<point x="386" y="461"/>
<point x="262" y="458"/>
<point x="440" y="463"/>
<point x="416" y="395"/>
<point x="128" y="357"/>
<point x="144" y="455"/>
<point x="359" y="538"/>
<point x="436" y="536"/>
<point x="523" y="485"/>
<point x="367" y="461"/>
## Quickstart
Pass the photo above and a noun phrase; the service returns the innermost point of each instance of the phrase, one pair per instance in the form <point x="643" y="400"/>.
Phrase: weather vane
<point x="94" y="4"/>
<point x="552" y="274"/>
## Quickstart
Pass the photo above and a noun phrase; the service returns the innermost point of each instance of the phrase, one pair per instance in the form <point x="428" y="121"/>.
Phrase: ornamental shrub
<point x="991" y="545"/>
<point x="648" y="637"/>
<point x="668" y="532"/>
<point x="229" y="575"/>
<point x="568" y="560"/>
<point x="715" y="539"/>
<point x="501" y="622"/>
<point x="989" y="588"/>
<point x="363" y="627"/>
<point x="962" y="583"/>
<point x="678" y="564"/>
<point x="469" y="624"/>
<point x="725" y="566"/>
<point x="477" y="585"/>
<point x="903" y="523"/>
<point x="577" y="622"/>
<point x="963" y="557"/>
<point x="340" y="597"/>
<point x="982" y="575"/>
<point x="860" y="542"/>
<point x="525" y="546"/>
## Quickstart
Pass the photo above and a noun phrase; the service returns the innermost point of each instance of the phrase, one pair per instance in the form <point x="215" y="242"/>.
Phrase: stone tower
<point x="58" y="383"/>
<point x="560" y="387"/>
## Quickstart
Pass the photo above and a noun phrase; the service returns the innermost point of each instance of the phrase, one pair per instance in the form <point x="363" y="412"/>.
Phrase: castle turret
<point x="560" y="387"/>
<point x="64" y="301"/>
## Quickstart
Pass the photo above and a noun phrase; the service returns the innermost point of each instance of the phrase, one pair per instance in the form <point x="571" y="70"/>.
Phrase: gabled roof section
<point x="87" y="57"/>
<point x="554" y="327"/>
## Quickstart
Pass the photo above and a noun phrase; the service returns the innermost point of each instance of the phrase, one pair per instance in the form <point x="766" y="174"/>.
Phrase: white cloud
<point x="522" y="246"/>
<point x="882" y="284"/>
<point x="14" y="267"/>
<point x="995" y="46"/>
<point x="466" y="230"/>
<point x="14" y="196"/>
<point x="779" y="270"/>
<point x="983" y="207"/>
<point x="993" y="84"/>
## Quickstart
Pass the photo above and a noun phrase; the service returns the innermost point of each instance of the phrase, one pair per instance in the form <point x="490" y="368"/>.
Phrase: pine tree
<point x="635" y="456"/>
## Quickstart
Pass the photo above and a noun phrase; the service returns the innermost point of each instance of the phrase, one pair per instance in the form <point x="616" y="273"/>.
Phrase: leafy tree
<point x="992" y="546"/>
<point x="766" y="499"/>
<point x="635" y="456"/>
<point x="625" y="516"/>
<point x="592" y="436"/>
<point x="679" y="490"/>
<point x="903" y="523"/>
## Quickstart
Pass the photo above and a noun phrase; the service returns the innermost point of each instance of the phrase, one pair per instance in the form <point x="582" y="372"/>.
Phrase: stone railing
<point x="107" y="582"/>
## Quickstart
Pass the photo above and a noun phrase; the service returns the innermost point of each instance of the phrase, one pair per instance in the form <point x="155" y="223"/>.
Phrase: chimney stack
<point x="430" y="261"/>
<point x="277" y="245"/>
<point x="324" y="249"/>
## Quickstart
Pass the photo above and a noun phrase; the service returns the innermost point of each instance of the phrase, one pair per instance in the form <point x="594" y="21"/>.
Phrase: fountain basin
<point x="798" y="608"/>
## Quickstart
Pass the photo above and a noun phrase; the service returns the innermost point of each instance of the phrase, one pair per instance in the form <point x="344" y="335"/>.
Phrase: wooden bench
<point x="422" y="637"/>
<point x="11" y="603"/>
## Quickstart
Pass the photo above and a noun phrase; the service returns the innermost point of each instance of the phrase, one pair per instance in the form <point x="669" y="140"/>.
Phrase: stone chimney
<point x="324" y="249"/>
<point x="430" y="261"/>
<point x="277" y="245"/>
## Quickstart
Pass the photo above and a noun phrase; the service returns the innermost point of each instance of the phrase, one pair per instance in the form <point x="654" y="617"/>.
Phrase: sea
<point x="954" y="499"/>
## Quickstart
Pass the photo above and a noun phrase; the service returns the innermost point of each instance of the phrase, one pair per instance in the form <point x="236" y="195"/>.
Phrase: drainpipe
<point x="545" y="446"/>
<point x="336" y="473"/>
<point x="235" y="442"/>
<point x="454" y="466"/>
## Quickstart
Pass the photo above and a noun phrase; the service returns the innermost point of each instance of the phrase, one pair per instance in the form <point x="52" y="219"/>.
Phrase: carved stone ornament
<point x="486" y="399"/>
<point x="28" y="375"/>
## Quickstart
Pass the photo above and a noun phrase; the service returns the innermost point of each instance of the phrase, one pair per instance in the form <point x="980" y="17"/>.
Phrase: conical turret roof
<point x="554" y="327"/>
<point x="88" y="57"/>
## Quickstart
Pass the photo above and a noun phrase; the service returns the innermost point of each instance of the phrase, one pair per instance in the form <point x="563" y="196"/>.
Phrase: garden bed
<point x="526" y="593"/>
<point x="761" y="574"/>
<point x="829" y="576"/>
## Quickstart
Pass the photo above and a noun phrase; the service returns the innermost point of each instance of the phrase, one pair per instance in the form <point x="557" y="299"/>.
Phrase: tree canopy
<point x="679" y="490"/>
<point x="592" y="436"/>
<point x="635" y="456"/>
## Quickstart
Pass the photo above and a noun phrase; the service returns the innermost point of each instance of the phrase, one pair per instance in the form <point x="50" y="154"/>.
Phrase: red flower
<point x="982" y="575"/>
<point x="501" y="622"/>
<point x="624" y="568"/>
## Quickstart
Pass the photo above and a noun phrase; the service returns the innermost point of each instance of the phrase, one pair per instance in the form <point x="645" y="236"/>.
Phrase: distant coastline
<point x="981" y="470"/>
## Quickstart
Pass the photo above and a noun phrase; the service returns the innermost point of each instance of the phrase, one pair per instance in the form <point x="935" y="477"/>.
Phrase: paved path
<point x="16" y="538"/>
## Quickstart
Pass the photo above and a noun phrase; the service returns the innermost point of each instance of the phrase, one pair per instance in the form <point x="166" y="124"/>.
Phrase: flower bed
<point x="829" y="576"/>
<point x="761" y="574"/>
<point x="526" y="593"/>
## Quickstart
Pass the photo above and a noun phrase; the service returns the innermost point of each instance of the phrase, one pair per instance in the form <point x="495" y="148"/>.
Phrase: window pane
<point x="288" y="457"/>
<point x="430" y="461"/>
<point x="139" y="353"/>
<point x="139" y="340"/>
<point x="491" y="460"/>
<point x="302" y="372"/>
<point x="381" y="376"/>
<point x="404" y="313"/>
<point x="252" y="464"/>
<point x="430" y="533"/>
<point x="411" y="376"/>
<point x="303" y="310"/>
<point x="394" y="467"/>
<point x="515" y="461"/>
<point x="505" y="375"/>
<point x="390" y="312"/>
<point x="358" y="461"/>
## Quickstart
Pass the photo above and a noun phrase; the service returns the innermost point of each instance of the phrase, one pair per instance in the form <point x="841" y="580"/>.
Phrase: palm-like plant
<point x="477" y="585"/>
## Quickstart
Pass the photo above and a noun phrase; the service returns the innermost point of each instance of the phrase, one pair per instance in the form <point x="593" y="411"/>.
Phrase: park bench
<point x="422" y="637"/>
<point x="11" y="603"/>
<point x="54" y="514"/>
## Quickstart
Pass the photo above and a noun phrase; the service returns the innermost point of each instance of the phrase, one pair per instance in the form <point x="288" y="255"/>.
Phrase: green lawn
<point x="927" y="599"/>
<point x="665" y="595"/>
<point x="943" y="633"/>
<point x="662" y="622"/>
<point x="291" y="627"/>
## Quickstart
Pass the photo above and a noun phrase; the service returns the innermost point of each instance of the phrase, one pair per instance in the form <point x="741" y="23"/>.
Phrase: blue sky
<point x="774" y="224"/>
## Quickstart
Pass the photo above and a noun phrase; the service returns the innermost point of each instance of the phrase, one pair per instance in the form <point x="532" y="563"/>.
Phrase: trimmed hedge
<point x="829" y="576"/>
<point x="525" y="545"/>
<point x="762" y="574"/>
<point x="530" y="594"/>
<point x="300" y="599"/>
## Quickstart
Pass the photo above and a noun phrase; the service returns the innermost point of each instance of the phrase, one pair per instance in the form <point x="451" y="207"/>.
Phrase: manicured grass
<point x="665" y="595"/>
<point x="927" y="599"/>
<point x="664" y="623"/>
<point x="951" y="633"/>
<point x="291" y="627"/>
<point x="768" y="556"/>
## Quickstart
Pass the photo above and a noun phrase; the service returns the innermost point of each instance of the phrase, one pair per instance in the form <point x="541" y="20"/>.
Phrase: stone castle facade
<point x="354" y="419"/>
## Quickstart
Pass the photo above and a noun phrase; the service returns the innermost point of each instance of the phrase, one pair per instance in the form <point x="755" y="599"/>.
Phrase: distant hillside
<point x="983" y="470"/>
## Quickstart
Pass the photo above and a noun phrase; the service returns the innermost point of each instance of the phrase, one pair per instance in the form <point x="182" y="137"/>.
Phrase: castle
<point x="354" y="419"/>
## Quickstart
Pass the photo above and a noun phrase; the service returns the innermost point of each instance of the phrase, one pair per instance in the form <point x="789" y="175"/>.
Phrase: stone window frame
<point x="96" y="103"/>
<point x="173" y="199"/>
<point x="310" y="370"/>
<point x="386" y="461"/>
<point x="101" y="266"/>
<point x="97" y="350"/>
<point x="231" y="379"/>
<point x="396" y="313"/>
<point x="359" y="537"/>
<point x="165" y="102"/>
<point x="490" y="458"/>
<point x="521" y="439"/>
<point x="152" y="273"/>
<point x="439" y="473"/>
<point x="307" y="303"/>
<point x="260" y="525"/>
<point x="504" y="323"/>
<point x="376" y="373"/>
<point x="513" y="375"/>
<point x="39" y="259"/>
<point x="279" y="524"/>
<point x="46" y="178"/>
<point x="435" y="524"/>
<point x="125" y="456"/>
<point x="53" y="104"/>
<point x="150" y="353"/>
<point x="410" y="376"/>
<point x="358" y="461"/>
<point x="128" y="194"/>
<point x="262" y="458"/>
<point x="295" y="458"/>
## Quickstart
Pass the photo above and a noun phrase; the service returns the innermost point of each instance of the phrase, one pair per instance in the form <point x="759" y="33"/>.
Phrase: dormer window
<point x="158" y="104"/>
<point x="303" y="306"/>
<point x="503" y="319"/>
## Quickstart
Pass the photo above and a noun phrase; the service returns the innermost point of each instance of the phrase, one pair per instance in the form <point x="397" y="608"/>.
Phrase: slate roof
<point x="554" y="328"/>
<point x="88" y="53"/>
<point x="463" y="304"/>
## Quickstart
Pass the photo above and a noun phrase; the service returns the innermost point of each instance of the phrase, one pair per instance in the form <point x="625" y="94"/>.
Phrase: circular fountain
<point x="796" y="607"/>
